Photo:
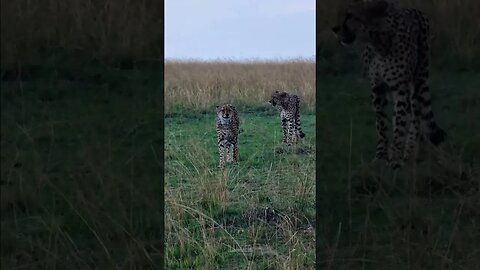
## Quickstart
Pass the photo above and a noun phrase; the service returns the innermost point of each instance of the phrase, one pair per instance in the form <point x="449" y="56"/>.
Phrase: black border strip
<point x="318" y="174"/>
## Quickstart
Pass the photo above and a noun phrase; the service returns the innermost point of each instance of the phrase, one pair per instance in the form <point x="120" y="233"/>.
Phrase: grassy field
<point x="259" y="213"/>
<point x="81" y="178"/>
<point x="424" y="217"/>
<point x="81" y="186"/>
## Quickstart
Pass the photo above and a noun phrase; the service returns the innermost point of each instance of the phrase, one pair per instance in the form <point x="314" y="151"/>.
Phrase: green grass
<point x="258" y="214"/>
<point x="80" y="179"/>
<point x="426" y="216"/>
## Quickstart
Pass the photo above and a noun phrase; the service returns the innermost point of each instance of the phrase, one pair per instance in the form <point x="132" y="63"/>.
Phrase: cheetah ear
<point x="216" y="107"/>
<point x="376" y="8"/>
<point x="276" y="92"/>
<point x="368" y="11"/>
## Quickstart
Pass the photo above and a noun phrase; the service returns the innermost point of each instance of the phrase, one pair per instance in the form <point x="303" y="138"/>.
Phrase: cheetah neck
<point x="381" y="42"/>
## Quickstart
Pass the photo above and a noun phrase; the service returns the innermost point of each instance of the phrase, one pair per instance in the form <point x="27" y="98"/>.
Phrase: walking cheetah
<point x="227" y="125"/>
<point x="396" y="59"/>
<point x="289" y="107"/>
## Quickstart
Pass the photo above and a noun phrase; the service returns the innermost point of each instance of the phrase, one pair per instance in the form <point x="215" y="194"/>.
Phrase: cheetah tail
<point x="437" y="135"/>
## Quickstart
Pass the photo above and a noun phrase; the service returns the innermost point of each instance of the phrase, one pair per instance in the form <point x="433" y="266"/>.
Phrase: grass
<point x="259" y="213"/>
<point x="80" y="179"/>
<point x="426" y="216"/>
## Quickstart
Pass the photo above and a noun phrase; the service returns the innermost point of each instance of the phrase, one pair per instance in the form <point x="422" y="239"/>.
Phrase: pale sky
<point x="239" y="29"/>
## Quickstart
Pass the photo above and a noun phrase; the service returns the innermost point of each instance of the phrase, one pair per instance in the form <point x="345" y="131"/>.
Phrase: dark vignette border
<point x="161" y="156"/>
<point x="318" y="174"/>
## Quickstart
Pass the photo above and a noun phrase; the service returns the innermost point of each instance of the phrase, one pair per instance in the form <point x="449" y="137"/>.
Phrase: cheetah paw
<point x="379" y="162"/>
<point x="395" y="164"/>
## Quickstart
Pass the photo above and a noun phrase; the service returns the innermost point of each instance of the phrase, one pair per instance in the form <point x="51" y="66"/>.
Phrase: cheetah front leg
<point x="411" y="147"/>
<point x="285" y="130"/>
<point x="379" y="102"/>
<point x="229" y="152"/>
<point x="400" y="120"/>
<point x="235" y="152"/>
<point x="221" y="151"/>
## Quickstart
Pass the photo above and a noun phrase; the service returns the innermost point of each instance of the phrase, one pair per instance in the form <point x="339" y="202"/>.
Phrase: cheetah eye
<point x="348" y="16"/>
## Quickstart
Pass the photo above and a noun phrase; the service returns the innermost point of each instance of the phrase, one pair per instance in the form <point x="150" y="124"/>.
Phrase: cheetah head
<point x="278" y="98"/>
<point x="225" y="113"/>
<point x="357" y="18"/>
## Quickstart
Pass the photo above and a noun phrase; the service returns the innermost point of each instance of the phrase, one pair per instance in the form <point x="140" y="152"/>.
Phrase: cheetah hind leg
<point x="292" y="136"/>
<point x="299" y="131"/>
<point x="235" y="152"/>
<point x="429" y="127"/>
<point x="411" y="146"/>
<point x="285" y="131"/>
<point x="400" y="118"/>
<point x="379" y="102"/>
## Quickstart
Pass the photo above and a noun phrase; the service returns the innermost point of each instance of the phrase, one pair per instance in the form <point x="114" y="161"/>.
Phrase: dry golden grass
<point x="202" y="85"/>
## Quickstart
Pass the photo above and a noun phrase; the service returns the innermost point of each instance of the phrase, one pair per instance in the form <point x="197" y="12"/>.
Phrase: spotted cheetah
<point x="227" y="124"/>
<point x="396" y="60"/>
<point x="289" y="107"/>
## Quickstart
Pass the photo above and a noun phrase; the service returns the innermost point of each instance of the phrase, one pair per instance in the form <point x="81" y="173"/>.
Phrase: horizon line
<point x="242" y="60"/>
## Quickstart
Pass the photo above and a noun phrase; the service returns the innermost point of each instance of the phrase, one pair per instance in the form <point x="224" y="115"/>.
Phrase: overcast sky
<point x="239" y="29"/>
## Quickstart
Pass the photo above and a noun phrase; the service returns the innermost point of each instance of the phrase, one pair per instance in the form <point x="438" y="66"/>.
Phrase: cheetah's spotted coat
<point x="289" y="107"/>
<point x="227" y="125"/>
<point x="396" y="59"/>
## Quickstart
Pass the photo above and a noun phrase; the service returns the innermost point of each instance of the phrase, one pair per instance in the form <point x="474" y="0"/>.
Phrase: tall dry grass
<point x="454" y="28"/>
<point x="106" y="30"/>
<point x="201" y="85"/>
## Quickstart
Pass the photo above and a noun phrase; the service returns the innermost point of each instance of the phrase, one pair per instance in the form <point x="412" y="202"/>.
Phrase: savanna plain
<point x="260" y="212"/>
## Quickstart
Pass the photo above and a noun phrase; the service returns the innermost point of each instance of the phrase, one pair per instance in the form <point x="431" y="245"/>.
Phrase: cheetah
<point x="227" y="124"/>
<point x="289" y="107"/>
<point x="396" y="60"/>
